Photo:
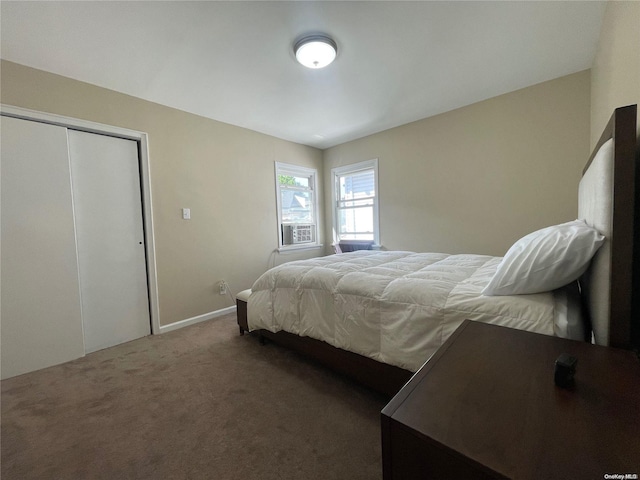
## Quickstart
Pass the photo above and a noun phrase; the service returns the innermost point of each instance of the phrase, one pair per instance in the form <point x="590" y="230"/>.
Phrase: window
<point x="355" y="202"/>
<point x="297" y="204"/>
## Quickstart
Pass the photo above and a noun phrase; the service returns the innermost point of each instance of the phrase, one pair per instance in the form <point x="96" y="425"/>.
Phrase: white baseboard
<point x="197" y="319"/>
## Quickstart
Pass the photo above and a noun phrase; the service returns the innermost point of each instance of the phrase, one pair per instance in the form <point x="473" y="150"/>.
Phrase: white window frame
<point x="297" y="171"/>
<point x="350" y="169"/>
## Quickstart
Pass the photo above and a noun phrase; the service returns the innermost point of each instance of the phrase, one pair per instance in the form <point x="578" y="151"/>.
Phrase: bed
<point x="378" y="316"/>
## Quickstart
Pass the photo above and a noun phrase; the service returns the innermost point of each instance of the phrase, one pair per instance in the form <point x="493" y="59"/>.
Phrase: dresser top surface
<point x="489" y="395"/>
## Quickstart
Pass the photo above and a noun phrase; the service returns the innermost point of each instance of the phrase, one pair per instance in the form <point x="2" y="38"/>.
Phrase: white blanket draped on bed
<point x="395" y="307"/>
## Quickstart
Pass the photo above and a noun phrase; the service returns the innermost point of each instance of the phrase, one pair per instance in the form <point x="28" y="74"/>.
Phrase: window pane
<point x="294" y="181"/>
<point x="355" y="224"/>
<point x="297" y="206"/>
<point x="357" y="185"/>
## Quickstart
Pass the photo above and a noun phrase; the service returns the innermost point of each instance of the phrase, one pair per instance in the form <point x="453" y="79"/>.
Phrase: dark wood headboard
<point x="608" y="286"/>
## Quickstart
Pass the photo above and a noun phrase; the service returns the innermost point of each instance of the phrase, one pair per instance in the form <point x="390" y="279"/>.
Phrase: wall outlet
<point x="222" y="287"/>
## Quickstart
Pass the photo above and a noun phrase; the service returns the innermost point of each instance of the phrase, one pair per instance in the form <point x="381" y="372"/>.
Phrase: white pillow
<point x="546" y="259"/>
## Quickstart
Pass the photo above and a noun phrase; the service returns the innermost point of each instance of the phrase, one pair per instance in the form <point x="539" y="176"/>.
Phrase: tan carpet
<point x="197" y="403"/>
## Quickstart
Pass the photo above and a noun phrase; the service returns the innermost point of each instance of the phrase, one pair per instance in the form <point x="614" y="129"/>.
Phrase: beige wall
<point x="471" y="180"/>
<point x="225" y="174"/>
<point x="475" y="179"/>
<point x="615" y="74"/>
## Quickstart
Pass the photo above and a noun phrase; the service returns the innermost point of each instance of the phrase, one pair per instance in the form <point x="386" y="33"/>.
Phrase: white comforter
<point x="395" y="307"/>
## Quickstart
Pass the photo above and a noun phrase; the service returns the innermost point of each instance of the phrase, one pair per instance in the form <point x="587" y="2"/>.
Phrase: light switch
<point x="186" y="214"/>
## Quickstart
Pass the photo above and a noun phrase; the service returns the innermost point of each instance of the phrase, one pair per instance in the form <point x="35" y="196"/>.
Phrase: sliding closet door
<point x="40" y="299"/>
<point x="110" y="239"/>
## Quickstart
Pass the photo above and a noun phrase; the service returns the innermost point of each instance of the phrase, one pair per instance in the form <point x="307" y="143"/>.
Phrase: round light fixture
<point x="315" y="51"/>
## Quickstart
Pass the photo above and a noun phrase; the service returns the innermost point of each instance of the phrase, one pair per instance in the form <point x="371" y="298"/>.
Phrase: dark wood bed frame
<point x="624" y="308"/>
<point x="381" y="377"/>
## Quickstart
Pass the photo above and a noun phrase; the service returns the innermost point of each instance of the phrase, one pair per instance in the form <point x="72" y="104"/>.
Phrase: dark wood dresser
<point x="486" y="406"/>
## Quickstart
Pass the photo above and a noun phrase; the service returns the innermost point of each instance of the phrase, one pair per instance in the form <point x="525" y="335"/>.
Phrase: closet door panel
<point x="110" y="237"/>
<point x="40" y="300"/>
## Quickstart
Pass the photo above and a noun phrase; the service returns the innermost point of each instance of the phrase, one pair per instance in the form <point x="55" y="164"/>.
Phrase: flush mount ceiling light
<point x="315" y="51"/>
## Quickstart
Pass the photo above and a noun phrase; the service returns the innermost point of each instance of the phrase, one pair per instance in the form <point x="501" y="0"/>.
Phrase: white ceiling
<point x="233" y="61"/>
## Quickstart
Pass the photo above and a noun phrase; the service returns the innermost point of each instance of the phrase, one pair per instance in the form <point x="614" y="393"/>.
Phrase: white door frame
<point x="142" y="139"/>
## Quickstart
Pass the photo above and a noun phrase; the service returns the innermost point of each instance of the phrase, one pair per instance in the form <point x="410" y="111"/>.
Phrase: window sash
<point x="356" y="222"/>
<point x="361" y="186"/>
<point x="358" y="203"/>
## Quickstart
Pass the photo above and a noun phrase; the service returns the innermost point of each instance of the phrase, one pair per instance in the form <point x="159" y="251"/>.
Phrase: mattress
<point x="396" y="307"/>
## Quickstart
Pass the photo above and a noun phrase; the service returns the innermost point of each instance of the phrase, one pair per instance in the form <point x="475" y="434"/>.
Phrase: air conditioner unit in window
<point x="296" y="234"/>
